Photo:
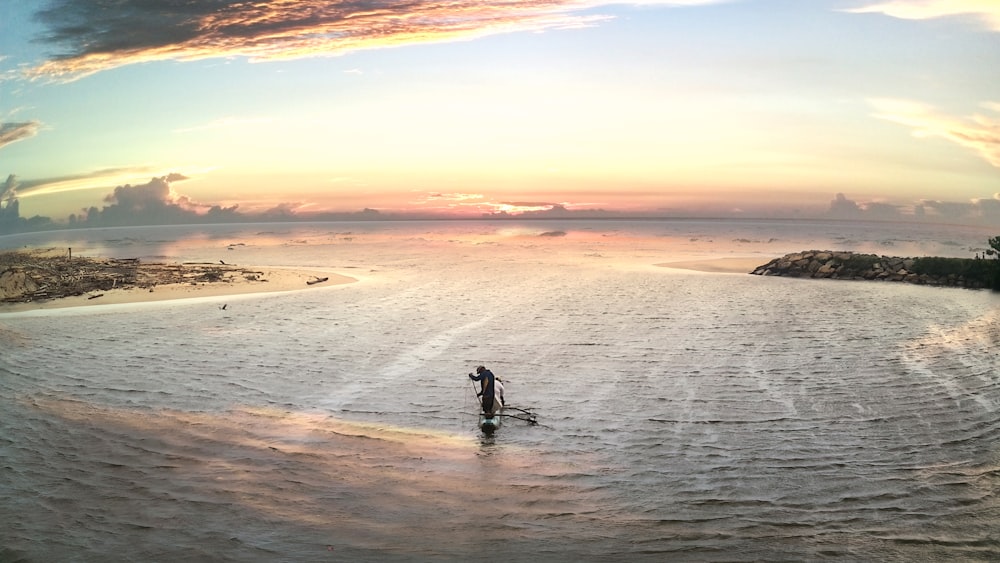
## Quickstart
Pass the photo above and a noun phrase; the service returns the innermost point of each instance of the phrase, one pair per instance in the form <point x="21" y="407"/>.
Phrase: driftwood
<point x="35" y="275"/>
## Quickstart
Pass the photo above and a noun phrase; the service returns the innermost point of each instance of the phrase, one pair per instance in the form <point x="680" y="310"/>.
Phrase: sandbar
<point x="743" y="265"/>
<point x="270" y="280"/>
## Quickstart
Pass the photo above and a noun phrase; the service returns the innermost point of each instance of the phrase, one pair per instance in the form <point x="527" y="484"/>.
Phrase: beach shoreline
<point x="744" y="265"/>
<point x="275" y="280"/>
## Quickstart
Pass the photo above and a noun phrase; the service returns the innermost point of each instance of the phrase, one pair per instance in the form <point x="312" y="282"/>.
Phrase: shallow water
<point x="684" y="415"/>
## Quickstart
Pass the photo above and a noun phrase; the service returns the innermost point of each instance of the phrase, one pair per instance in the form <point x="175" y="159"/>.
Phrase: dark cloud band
<point x="93" y="35"/>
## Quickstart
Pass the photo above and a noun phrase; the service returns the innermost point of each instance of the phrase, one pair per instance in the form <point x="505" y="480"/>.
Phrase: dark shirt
<point x="486" y="379"/>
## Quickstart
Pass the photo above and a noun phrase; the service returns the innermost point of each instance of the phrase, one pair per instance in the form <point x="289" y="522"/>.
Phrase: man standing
<point x="487" y="382"/>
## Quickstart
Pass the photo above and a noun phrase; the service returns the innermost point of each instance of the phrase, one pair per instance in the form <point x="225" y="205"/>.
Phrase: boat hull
<point x="489" y="423"/>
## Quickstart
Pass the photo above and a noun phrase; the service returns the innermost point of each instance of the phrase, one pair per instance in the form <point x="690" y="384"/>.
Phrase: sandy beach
<point x="718" y="265"/>
<point x="272" y="280"/>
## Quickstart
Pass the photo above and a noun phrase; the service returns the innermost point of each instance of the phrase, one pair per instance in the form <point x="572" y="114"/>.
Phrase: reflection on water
<point x="685" y="416"/>
<point x="329" y="481"/>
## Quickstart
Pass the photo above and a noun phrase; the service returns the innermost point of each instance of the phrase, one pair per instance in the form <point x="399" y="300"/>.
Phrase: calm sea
<point x="684" y="416"/>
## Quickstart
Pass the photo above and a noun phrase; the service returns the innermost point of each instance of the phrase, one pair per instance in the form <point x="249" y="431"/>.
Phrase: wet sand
<point x="719" y="265"/>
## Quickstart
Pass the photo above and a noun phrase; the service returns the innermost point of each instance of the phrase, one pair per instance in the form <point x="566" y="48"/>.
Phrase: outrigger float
<point x="490" y="423"/>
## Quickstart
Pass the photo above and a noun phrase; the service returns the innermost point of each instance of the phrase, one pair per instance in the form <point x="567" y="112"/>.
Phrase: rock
<point x="826" y="269"/>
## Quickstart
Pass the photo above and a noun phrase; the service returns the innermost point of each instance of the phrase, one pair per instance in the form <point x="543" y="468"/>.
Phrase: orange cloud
<point x="987" y="11"/>
<point x="140" y="31"/>
<point x="978" y="132"/>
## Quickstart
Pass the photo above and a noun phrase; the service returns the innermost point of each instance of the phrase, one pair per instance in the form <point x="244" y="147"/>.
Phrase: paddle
<point x="478" y="396"/>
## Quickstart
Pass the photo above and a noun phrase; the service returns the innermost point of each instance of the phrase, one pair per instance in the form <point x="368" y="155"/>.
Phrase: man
<point x="490" y="385"/>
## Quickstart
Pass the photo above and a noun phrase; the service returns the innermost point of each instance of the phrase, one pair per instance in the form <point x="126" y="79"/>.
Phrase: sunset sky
<point x="874" y="108"/>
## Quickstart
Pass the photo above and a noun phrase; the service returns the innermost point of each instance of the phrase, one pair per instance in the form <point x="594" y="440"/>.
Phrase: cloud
<point x="989" y="209"/>
<point x="155" y="203"/>
<point x="980" y="211"/>
<point x="98" y="179"/>
<point x="454" y="196"/>
<point x="984" y="211"/>
<point x="8" y="191"/>
<point x="986" y="11"/>
<point x="11" y="132"/>
<point x="93" y="37"/>
<point x="843" y="208"/>
<point x="156" y="192"/>
<point x="979" y="132"/>
<point x="539" y="204"/>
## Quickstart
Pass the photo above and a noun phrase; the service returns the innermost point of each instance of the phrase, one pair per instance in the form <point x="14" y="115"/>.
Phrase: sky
<point x="146" y="109"/>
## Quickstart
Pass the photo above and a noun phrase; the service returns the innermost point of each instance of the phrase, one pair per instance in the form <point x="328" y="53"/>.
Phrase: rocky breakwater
<point x="826" y="264"/>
